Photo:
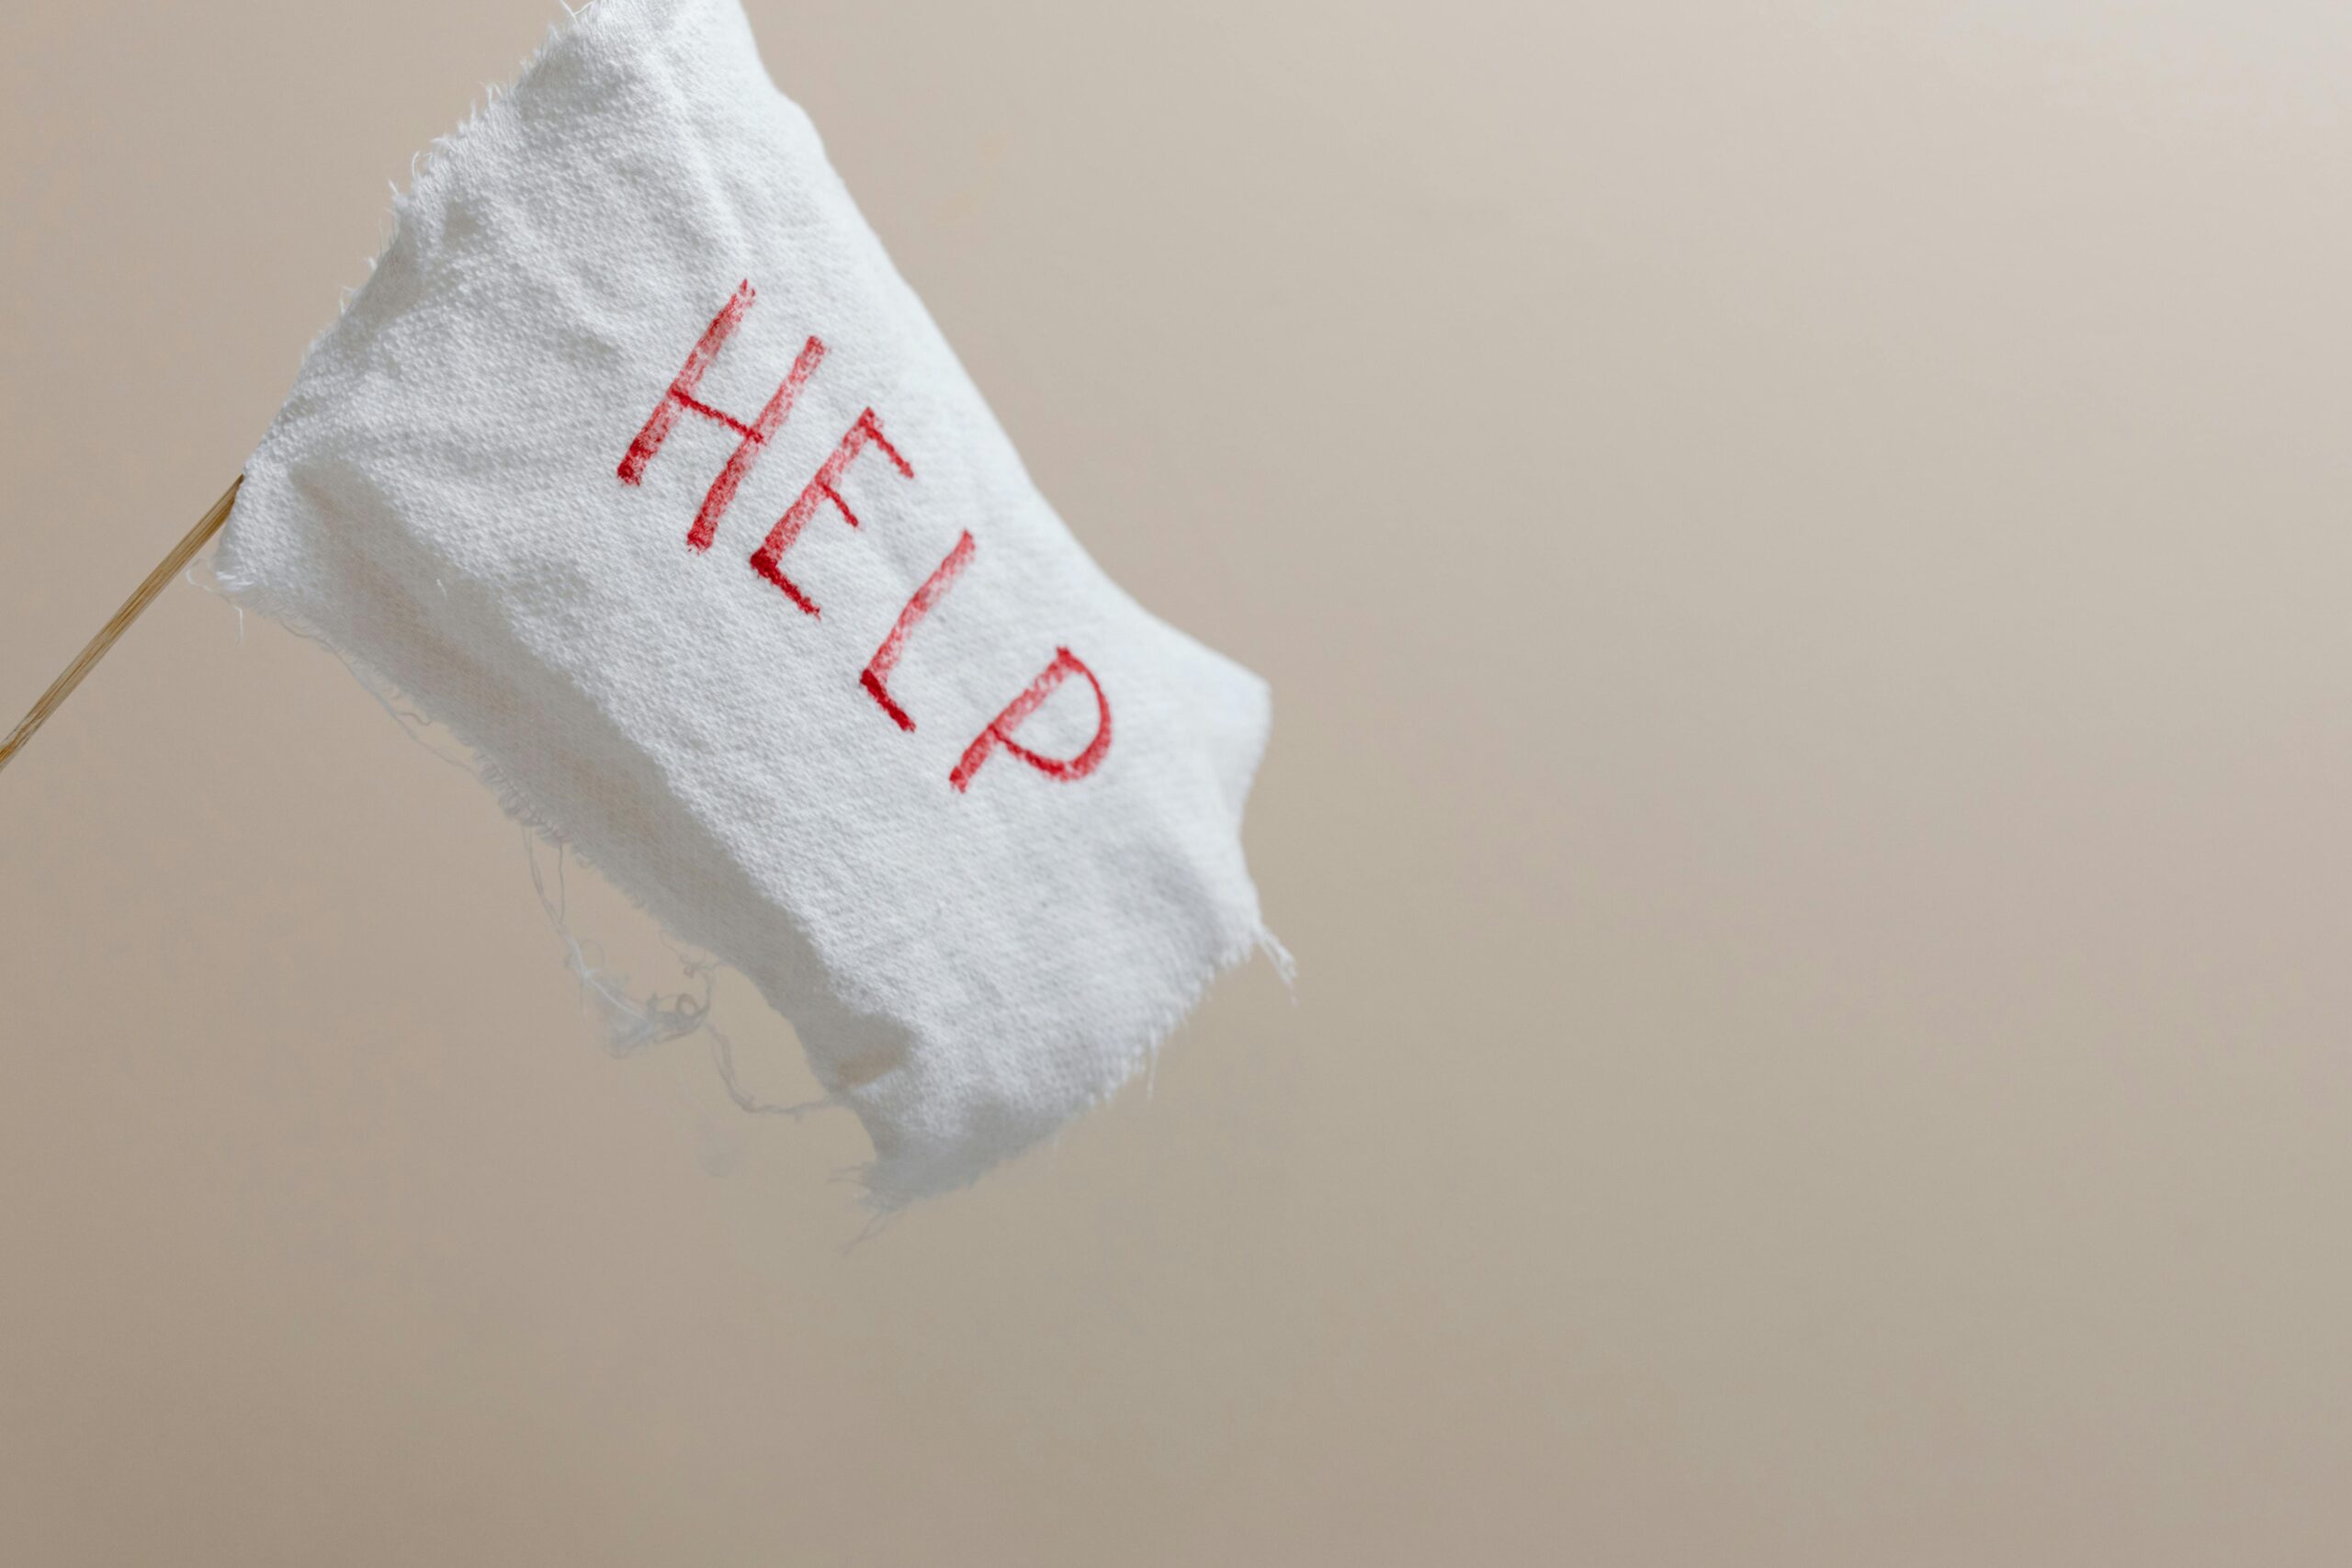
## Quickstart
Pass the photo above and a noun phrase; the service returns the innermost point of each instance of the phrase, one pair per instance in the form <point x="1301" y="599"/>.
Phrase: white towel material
<point x="637" y="465"/>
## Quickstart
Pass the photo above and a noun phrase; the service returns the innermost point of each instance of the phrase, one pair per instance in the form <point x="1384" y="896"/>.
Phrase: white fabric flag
<point x="637" y="465"/>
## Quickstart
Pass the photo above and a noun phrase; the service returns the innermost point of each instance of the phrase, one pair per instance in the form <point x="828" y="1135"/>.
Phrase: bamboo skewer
<point x="171" y="566"/>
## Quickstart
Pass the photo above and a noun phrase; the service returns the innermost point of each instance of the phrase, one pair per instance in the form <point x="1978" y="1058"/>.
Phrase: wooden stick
<point x="171" y="566"/>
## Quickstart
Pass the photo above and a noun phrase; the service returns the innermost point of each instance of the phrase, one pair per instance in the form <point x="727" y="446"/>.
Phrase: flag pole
<point x="171" y="566"/>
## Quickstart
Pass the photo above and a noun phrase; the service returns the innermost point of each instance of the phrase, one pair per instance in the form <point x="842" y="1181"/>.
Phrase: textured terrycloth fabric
<point x="637" y="465"/>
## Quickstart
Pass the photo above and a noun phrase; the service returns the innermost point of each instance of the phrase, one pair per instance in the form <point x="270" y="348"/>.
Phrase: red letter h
<point x="681" y="398"/>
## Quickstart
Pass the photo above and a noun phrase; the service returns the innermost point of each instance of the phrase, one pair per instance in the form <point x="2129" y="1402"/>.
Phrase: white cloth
<point x="488" y="486"/>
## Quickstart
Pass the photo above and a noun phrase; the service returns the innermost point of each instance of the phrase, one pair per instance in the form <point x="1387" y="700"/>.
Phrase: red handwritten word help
<point x="825" y="487"/>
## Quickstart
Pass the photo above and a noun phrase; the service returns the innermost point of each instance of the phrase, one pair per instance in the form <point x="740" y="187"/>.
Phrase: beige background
<point x="1802" y="554"/>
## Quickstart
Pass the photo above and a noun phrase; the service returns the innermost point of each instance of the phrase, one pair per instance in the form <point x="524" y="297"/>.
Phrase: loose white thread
<point x="631" y="1025"/>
